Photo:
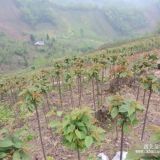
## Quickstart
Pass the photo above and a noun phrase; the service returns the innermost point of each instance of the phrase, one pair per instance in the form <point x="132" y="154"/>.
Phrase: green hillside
<point x="67" y="28"/>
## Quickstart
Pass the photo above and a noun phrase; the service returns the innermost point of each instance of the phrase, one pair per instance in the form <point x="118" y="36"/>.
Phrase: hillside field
<point x="35" y="102"/>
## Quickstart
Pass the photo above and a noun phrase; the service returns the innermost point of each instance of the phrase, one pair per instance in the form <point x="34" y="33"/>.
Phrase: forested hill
<point x="100" y="19"/>
<point x="71" y="26"/>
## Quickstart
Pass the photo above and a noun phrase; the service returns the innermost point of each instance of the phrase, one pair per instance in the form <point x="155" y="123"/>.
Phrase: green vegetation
<point x="13" y="146"/>
<point x="78" y="130"/>
<point x="36" y="11"/>
<point x="126" y="21"/>
<point x="68" y="81"/>
<point x="125" y="113"/>
<point x="68" y="28"/>
<point x="52" y="94"/>
<point x="10" y="50"/>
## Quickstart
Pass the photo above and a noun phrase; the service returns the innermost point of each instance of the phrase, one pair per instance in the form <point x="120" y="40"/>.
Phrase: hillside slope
<point x="10" y="19"/>
<point x="16" y="20"/>
<point x="68" y="28"/>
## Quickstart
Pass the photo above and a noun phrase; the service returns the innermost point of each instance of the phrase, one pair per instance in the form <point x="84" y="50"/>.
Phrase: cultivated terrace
<point x="78" y="107"/>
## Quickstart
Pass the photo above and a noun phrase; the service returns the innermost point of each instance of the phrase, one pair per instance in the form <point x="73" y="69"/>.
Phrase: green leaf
<point x="24" y="156"/>
<point x="132" y="117"/>
<point x="88" y="141"/>
<point x="69" y="137"/>
<point x="54" y="124"/>
<point x="83" y="129"/>
<point x="140" y="107"/>
<point x="123" y="74"/>
<point x="78" y="134"/>
<point x="80" y="124"/>
<point x="29" y="137"/>
<point x="70" y="128"/>
<point x="50" y="158"/>
<point x="132" y="155"/>
<point x="2" y="155"/>
<point x="156" y="137"/>
<point x="18" y="144"/>
<point x="120" y="122"/>
<point x="16" y="155"/>
<point x="131" y="110"/>
<point x="6" y="143"/>
<point x="114" y="112"/>
<point x="59" y="113"/>
<point x="123" y="108"/>
<point x="31" y="108"/>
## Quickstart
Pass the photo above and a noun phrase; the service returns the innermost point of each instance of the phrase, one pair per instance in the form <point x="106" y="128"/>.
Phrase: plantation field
<point x="78" y="107"/>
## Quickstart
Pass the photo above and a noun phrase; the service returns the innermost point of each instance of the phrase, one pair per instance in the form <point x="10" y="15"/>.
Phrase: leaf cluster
<point x="12" y="147"/>
<point x="124" y="110"/>
<point x="78" y="130"/>
<point x="31" y="97"/>
<point x="150" y="82"/>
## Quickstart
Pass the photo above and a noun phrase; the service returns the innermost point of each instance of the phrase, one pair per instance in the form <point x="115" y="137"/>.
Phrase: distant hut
<point x="39" y="43"/>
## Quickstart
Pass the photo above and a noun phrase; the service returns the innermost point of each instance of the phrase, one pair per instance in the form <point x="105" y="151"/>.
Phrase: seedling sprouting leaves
<point x="11" y="146"/>
<point x="78" y="130"/>
<point x="32" y="98"/>
<point x="124" y="110"/>
<point x="151" y="83"/>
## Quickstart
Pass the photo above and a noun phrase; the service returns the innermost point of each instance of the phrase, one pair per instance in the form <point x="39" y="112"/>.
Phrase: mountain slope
<point x="10" y="19"/>
<point x="68" y="28"/>
<point x="37" y="15"/>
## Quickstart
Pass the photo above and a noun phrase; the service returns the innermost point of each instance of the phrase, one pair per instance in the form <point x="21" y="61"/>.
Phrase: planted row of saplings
<point x="41" y="88"/>
<point x="75" y="70"/>
<point x="95" y="75"/>
<point x="121" y="109"/>
<point x="77" y="76"/>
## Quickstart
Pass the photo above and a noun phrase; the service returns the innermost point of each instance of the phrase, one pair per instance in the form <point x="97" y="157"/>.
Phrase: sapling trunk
<point x="78" y="83"/>
<point x="133" y="83"/>
<point x="102" y="87"/>
<point x="101" y="95"/>
<point x="71" y="95"/>
<point x="122" y="141"/>
<point x="144" y="96"/>
<point x="47" y="121"/>
<point x="78" y="153"/>
<point x="40" y="133"/>
<point x="12" y="97"/>
<point x="138" y="93"/>
<point x="44" y="112"/>
<point x="47" y="102"/>
<point x="53" y="82"/>
<point x="81" y="86"/>
<point x="116" y="131"/>
<point x="105" y="71"/>
<point x="60" y="91"/>
<point x="102" y="75"/>
<point x="94" y="103"/>
<point x="1" y="97"/>
<point x="16" y="95"/>
<point x="97" y="85"/>
<point x="145" y="118"/>
<point x="79" y="90"/>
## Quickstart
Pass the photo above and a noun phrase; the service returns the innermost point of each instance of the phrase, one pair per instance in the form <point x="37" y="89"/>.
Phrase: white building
<point x="39" y="43"/>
